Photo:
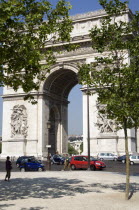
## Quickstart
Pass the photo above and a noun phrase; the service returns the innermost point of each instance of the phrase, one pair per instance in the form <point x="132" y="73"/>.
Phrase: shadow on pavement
<point x="53" y="188"/>
<point x="134" y="187"/>
<point x="5" y="206"/>
<point x="34" y="208"/>
<point x="40" y="188"/>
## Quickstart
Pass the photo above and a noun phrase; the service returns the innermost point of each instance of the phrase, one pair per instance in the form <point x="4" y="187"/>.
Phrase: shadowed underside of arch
<point x="61" y="82"/>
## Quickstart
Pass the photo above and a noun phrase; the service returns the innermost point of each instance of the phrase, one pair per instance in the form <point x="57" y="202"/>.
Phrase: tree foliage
<point x="114" y="74"/>
<point x="81" y="147"/>
<point x="26" y="27"/>
<point x="71" y="150"/>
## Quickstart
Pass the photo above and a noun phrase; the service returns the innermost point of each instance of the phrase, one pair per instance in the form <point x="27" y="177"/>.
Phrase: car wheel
<point x="123" y="161"/>
<point x="22" y="169"/>
<point x="131" y="163"/>
<point x="92" y="168"/>
<point x="61" y="163"/>
<point x="115" y="159"/>
<point x="17" y="165"/>
<point x="73" y="167"/>
<point x="101" y="159"/>
<point x="39" y="169"/>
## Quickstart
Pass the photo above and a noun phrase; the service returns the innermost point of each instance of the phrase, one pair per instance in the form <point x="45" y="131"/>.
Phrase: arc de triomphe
<point x="28" y="129"/>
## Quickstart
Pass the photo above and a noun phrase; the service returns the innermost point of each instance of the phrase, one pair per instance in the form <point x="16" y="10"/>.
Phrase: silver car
<point x="134" y="159"/>
<point x="107" y="156"/>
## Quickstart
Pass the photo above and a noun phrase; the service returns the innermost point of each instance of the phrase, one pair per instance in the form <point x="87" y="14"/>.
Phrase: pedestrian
<point x="49" y="161"/>
<point x="66" y="163"/>
<point x="8" y="166"/>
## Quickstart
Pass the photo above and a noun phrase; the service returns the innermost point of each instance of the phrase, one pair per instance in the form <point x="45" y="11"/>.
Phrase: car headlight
<point x="98" y="164"/>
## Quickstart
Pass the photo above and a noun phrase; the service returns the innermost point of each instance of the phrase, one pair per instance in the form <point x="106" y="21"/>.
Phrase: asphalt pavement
<point x="111" y="166"/>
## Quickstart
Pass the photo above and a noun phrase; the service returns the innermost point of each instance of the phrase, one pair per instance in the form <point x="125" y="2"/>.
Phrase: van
<point x="107" y="156"/>
<point x="134" y="159"/>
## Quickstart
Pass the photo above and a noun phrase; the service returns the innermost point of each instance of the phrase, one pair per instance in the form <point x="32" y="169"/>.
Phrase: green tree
<point x="71" y="150"/>
<point x="81" y="147"/>
<point x="114" y="75"/>
<point x="27" y="30"/>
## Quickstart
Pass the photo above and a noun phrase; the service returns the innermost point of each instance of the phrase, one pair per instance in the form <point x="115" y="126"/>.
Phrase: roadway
<point x="111" y="166"/>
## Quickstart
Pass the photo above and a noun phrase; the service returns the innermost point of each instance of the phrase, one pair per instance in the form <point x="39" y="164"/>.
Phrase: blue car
<point x="57" y="159"/>
<point x="21" y="158"/>
<point x="31" y="165"/>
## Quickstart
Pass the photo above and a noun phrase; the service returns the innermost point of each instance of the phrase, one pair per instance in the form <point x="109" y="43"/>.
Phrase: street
<point x="111" y="166"/>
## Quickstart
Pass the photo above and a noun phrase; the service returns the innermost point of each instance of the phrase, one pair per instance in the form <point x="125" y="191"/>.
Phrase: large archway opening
<point x="56" y="89"/>
<point x="75" y="116"/>
<point x="60" y="83"/>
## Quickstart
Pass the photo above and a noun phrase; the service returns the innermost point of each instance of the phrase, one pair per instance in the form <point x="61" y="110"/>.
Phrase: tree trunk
<point x="127" y="162"/>
<point x="136" y="139"/>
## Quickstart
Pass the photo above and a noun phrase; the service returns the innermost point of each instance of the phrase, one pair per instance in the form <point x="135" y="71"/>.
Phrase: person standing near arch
<point x="8" y="166"/>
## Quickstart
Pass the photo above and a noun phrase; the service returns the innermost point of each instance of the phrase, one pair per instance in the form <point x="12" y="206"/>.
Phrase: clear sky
<point x="75" y="107"/>
<point x="75" y="97"/>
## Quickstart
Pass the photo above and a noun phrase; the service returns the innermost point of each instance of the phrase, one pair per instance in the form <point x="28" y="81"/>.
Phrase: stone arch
<point x="34" y="140"/>
<point x="56" y="88"/>
<point x="57" y="73"/>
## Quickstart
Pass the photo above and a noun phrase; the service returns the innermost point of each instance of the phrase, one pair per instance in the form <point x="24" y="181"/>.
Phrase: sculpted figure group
<point x="19" y="121"/>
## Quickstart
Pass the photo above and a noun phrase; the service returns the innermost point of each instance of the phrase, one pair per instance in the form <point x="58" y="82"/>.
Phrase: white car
<point x="107" y="156"/>
<point x="134" y="159"/>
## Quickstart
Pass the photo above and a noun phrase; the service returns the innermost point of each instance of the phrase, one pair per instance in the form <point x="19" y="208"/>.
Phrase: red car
<point x="81" y="162"/>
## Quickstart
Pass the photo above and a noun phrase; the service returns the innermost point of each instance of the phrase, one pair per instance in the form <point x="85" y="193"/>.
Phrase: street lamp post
<point x="48" y="157"/>
<point x="88" y="128"/>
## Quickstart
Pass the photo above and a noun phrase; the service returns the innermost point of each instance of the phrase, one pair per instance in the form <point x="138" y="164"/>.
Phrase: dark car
<point x="122" y="158"/>
<point x="81" y="162"/>
<point x="57" y="159"/>
<point x="21" y="158"/>
<point x="30" y="164"/>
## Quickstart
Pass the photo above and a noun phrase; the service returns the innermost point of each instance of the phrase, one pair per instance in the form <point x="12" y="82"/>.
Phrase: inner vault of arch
<point x="56" y="90"/>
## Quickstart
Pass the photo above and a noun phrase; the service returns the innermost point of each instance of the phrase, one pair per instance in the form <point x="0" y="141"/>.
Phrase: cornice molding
<point x="88" y="15"/>
<point x="93" y="15"/>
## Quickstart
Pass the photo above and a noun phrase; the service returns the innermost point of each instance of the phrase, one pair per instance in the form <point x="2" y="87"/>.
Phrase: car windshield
<point x="35" y="160"/>
<point x="92" y="158"/>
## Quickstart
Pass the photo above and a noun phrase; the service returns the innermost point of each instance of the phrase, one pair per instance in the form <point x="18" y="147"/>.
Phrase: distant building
<point x="75" y="138"/>
<point x="75" y="142"/>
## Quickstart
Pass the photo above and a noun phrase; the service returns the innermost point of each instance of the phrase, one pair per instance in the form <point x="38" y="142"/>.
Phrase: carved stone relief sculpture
<point x="19" y="121"/>
<point x="104" y="124"/>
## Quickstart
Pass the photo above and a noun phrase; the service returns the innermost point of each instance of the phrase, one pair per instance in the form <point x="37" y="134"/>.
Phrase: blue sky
<point x="75" y="107"/>
<point x="75" y="97"/>
<point x="82" y="6"/>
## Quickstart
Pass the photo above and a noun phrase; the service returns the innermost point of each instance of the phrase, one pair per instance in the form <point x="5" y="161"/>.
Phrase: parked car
<point x="107" y="156"/>
<point x="30" y="164"/>
<point x="57" y="159"/>
<point x="134" y="159"/>
<point x="122" y="158"/>
<point x="81" y="162"/>
<point x="21" y="158"/>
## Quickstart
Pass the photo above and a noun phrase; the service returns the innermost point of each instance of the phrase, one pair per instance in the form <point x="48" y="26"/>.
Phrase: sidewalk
<point x="67" y="190"/>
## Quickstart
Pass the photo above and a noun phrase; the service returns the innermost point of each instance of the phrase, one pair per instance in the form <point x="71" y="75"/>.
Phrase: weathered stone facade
<point x="29" y="129"/>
